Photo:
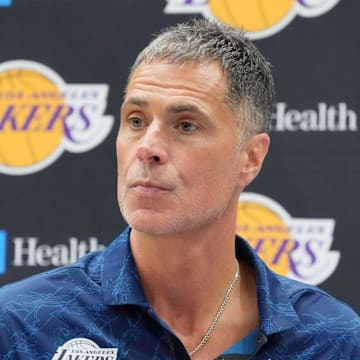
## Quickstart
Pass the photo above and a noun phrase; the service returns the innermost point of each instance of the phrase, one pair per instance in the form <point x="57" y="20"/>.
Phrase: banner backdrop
<point x="63" y="68"/>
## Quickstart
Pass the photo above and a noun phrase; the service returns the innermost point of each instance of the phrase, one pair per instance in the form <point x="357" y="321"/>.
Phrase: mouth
<point x="145" y="186"/>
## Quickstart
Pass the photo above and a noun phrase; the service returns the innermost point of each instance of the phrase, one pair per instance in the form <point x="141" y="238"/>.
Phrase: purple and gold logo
<point x="298" y="248"/>
<point x="260" y="19"/>
<point x="41" y="116"/>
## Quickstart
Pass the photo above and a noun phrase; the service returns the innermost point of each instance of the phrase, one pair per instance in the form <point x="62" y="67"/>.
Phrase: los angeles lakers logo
<point x="295" y="247"/>
<point x="260" y="18"/>
<point x="82" y="348"/>
<point x="41" y="116"/>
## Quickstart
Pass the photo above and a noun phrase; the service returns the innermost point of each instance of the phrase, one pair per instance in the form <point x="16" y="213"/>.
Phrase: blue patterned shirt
<point x="96" y="308"/>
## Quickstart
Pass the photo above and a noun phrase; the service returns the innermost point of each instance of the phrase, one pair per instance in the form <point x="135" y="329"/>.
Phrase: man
<point x="178" y="284"/>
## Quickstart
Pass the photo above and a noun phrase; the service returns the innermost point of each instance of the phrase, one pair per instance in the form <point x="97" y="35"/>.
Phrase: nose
<point x="152" y="148"/>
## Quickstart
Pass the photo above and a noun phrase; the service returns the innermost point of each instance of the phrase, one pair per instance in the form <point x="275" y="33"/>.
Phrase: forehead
<point x="202" y="81"/>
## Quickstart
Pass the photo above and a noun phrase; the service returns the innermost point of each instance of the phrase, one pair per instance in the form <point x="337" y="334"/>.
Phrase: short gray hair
<point x="250" y="86"/>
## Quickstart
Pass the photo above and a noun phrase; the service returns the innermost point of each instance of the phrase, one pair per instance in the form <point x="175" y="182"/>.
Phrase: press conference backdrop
<point x="63" y="67"/>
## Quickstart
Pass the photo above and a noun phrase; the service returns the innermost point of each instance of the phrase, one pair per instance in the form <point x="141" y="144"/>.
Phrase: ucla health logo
<point x="41" y="116"/>
<point x="299" y="248"/>
<point x="3" y="252"/>
<point x="260" y="18"/>
<point x="31" y="252"/>
<point x="4" y="3"/>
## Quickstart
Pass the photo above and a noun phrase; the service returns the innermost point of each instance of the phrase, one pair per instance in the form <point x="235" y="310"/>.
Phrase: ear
<point x="252" y="157"/>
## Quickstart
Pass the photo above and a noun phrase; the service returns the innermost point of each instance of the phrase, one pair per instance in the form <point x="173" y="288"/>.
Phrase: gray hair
<point x="250" y="86"/>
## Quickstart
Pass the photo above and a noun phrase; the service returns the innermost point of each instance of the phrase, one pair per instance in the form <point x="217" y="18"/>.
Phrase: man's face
<point x="178" y="168"/>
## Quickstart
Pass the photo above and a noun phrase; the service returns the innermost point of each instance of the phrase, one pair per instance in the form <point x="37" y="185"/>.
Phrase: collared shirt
<point x="96" y="308"/>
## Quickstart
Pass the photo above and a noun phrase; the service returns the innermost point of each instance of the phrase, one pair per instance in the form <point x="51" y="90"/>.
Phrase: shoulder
<point x="301" y="321"/>
<point x="311" y="299"/>
<point x="326" y="323"/>
<point x="52" y="288"/>
<point x="42" y="308"/>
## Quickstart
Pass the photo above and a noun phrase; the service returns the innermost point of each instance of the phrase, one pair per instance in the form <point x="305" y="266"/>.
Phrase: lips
<point x="149" y="186"/>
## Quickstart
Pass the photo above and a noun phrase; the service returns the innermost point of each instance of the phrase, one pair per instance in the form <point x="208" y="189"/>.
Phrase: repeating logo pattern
<point x="298" y="248"/>
<point x="259" y="19"/>
<point x="41" y="116"/>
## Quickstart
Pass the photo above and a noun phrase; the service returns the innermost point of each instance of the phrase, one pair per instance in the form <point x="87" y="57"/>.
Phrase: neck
<point x="185" y="278"/>
<point x="180" y="273"/>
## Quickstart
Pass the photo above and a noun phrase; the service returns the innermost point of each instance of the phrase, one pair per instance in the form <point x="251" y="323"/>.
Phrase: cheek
<point x="224" y="174"/>
<point x="212" y="173"/>
<point x="121" y="155"/>
<point x="121" y="168"/>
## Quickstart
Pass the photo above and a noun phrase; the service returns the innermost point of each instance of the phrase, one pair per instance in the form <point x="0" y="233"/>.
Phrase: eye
<point x="136" y="123"/>
<point x="186" y="126"/>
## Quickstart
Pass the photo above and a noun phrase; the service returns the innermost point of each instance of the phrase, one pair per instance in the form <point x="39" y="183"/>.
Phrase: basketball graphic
<point x="80" y="344"/>
<point x="85" y="349"/>
<point x="26" y="135"/>
<point x="258" y="18"/>
<point x="250" y="15"/>
<point x="41" y="116"/>
<point x="299" y="248"/>
<point x="267" y="233"/>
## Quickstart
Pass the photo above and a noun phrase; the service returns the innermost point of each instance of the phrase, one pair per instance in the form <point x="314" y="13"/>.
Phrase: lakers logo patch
<point x="82" y="348"/>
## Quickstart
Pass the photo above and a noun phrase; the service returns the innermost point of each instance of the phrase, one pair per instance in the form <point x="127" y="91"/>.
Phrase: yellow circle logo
<point x="27" y="135"/>
<point x="295" y="247"/>
<point x="267" y="234"/>
<point x="250" y="15"/>
<point x="41" y="116"/>
<point x="259" y="18"/>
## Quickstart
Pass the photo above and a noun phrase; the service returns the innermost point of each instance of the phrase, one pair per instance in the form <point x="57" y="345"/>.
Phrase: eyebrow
<point x="134" y="100"/>
<point x="179" y="108"/>
<point x="173" y="108"/>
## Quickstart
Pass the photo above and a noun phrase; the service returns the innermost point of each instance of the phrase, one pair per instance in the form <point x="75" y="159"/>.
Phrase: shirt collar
<point x="121" y="284"/>
<point x="276" y="312"/>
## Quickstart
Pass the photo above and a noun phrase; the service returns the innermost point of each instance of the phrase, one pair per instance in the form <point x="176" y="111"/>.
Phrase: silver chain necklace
<point x="219" y="313"/>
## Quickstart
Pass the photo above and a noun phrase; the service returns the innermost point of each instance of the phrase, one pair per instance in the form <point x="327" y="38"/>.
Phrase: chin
<point x="152" y="229"/>
<point x="147" y="221"/>
<point x="154" y="226"/>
